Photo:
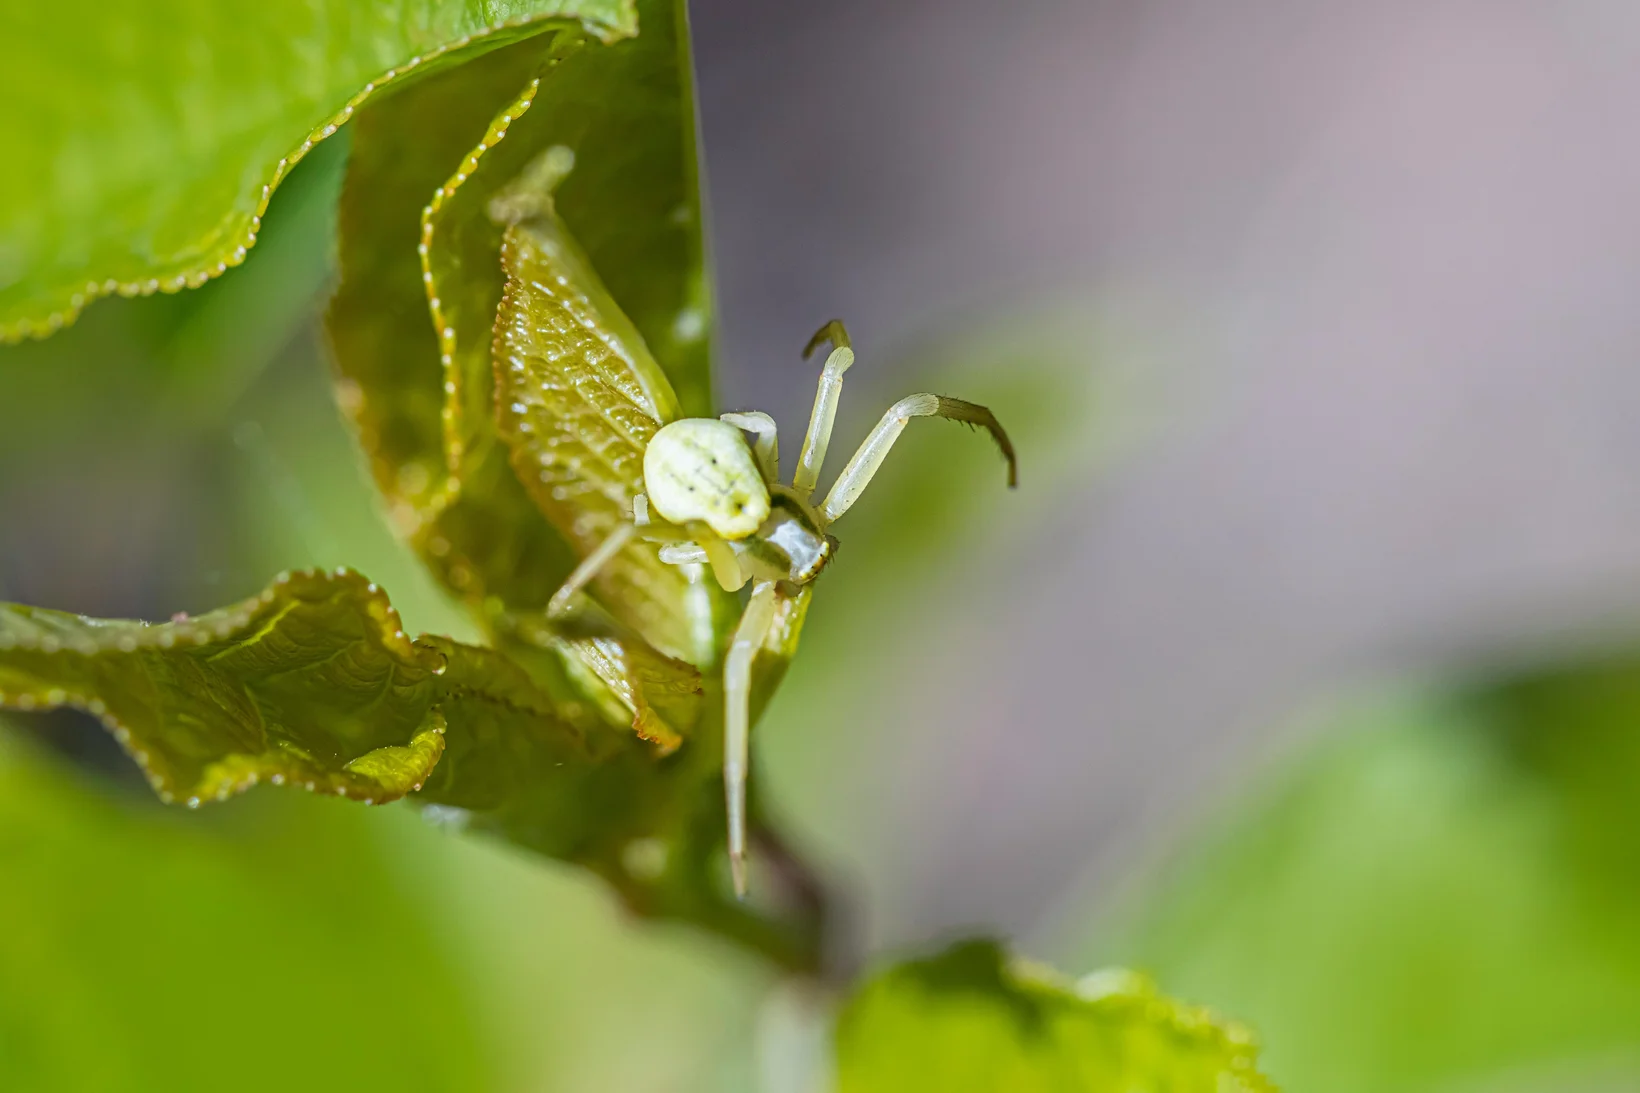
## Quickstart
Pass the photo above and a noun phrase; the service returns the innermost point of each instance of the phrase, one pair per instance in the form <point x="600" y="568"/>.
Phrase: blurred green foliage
<point x="1442" y="894"/>
<point x="968" y="1020"/>
<point x="141" y="951"/>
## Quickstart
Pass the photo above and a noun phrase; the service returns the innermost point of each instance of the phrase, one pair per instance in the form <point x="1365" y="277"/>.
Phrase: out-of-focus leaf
<point x="970" y="1019"/>
<point x="139" y="951"/>
<point x="143" y="140"/>
<point x="1463" y="862"/>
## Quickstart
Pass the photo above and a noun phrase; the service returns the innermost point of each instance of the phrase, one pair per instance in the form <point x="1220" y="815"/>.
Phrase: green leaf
<point x="584" y="743"/>
<point x="144" y="139"/>
<point x="423" y="398"/>
<point x="645" y="815"/>
<point x="273" y="950"/>
<point x="970" y="1019"/>
<point x="413" y="344"/>
<point x="579" y="398"/>
<point x="469" y="520"/>
<point x="1463" y="860"/>
<point x="311" y="683"/>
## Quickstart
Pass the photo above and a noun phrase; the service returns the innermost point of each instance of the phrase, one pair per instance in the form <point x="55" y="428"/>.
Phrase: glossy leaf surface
<point x="580" y="740"/>
<point x="577" y="416"/>
<point x="969" y="1019"/>
<point x="311" y="683"/>
<point x="421" y="392"/>
<point x="141" y="157"/>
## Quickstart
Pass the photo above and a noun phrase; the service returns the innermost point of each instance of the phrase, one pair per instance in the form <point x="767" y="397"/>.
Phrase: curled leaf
<point x="313" y="683"/>
<point x="598" y="743"/>
<point x="458" y="504"/>
<point x="428" y="168"/>
<point x="577" y="413"/>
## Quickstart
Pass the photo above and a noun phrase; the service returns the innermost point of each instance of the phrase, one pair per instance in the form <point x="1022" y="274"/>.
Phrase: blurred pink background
<point x="1381" y="264"/>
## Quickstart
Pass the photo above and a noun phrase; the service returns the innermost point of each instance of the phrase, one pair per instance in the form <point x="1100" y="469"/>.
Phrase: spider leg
<point x="858" y="474"/>
<point x="678" y="549"/>
<point x="725" y="566"/>
<point x="582" y="575"/>
<point x="825" y="405"/>
<point x="684" y="554"/>
<point x="767" y="448"/>
<point x="737" y="696"/>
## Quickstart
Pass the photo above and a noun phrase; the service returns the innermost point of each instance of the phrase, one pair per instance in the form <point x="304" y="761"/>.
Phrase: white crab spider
<point x="711" y="498"/>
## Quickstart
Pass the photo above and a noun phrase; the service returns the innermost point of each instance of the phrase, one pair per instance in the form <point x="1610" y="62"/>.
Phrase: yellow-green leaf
<point x="577" y="415"/>
<point x="969" y="1019"/>
<point x="313" y="683"/>
<point x="413" y="332"/>
<point x="463" y="510"/>
<point x="143" y="140"/>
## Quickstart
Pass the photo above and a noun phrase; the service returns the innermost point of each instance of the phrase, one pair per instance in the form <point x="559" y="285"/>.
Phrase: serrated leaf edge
<point x="130" y="636"/>
<point x="454" y="445"/>
<point x="195" y="275"/>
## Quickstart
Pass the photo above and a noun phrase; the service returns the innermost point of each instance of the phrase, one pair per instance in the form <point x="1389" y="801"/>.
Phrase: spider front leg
<point x="582" y="575"/>
<point x="858" y="474"/>
<point x="824" y="414"/>
<point x="677" y="551"/>
<point x="715" y="554"/>
<point x="750" y="635"/>
<point x="767" y="448"/>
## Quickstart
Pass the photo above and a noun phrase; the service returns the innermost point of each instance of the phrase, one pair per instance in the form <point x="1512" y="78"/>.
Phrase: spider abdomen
<point x="700" y="469"/>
